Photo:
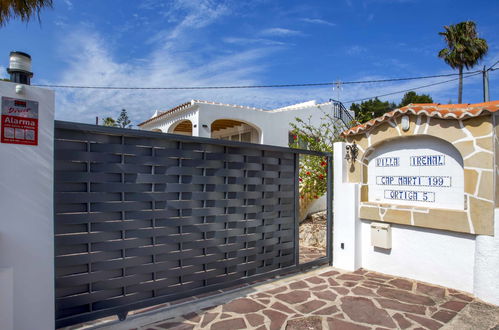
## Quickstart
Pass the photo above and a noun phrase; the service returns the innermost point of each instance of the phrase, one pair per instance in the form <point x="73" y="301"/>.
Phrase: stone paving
<point x="331" y="299"/>
<point x="311" y="253"/>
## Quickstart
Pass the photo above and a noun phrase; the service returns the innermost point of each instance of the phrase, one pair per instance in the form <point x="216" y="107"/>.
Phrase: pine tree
<point x="413" y="97"/>
<point x="123" y="121"/>
<point x="370" y="109"/>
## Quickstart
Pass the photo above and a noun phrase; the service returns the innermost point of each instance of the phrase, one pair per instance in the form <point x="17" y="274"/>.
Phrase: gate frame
<point x="122" y="311"/>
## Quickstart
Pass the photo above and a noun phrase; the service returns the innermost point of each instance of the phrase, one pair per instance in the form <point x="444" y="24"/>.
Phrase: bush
<point x="313" y="169"/>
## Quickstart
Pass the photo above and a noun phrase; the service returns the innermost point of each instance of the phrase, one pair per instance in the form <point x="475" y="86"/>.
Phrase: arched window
<point x="234" y="130"/>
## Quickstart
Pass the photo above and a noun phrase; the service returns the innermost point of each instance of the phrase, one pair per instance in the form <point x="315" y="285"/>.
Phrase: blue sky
<point x="206" y="42"/>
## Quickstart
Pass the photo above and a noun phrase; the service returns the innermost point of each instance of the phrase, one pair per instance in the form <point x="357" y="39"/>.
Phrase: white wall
<point x="461" y="261"/>
<point x="486" y="282"/>
<point x="273" y="125"/>
<point x="166" y="125"/>
<point x="26" y="221"/>
<point x="433" y="256"/>
<point x="318" y="205"/>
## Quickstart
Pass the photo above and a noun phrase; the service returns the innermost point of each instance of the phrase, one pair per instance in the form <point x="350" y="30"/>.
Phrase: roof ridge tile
<point x="442" y="111"/>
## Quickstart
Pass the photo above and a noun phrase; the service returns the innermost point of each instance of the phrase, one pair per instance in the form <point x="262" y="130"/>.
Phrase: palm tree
<point x="23" y="9"/>
<point x="465" y="49"/>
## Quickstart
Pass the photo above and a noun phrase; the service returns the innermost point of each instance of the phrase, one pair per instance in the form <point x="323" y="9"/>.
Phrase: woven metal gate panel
<point x="143" y="218"/>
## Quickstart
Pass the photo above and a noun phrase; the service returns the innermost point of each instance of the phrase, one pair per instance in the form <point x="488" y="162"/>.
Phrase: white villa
<point x="240" y="123"/>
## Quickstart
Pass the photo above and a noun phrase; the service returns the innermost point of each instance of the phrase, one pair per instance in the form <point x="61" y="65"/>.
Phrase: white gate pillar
<point x="346" y="233"/>
<point x="26" y="220"/>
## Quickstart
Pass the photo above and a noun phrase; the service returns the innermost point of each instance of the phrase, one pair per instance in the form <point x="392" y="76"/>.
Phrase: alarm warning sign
<point x="19" y="121"/>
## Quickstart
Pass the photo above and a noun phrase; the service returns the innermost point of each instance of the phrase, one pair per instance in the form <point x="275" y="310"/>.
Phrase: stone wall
<point x="473" y="138"/>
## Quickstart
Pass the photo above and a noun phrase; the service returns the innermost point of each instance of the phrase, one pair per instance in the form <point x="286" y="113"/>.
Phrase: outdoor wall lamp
<point x="19" y="89"/>
<point x="405" y="123"/>
<point x="352" y="152"/>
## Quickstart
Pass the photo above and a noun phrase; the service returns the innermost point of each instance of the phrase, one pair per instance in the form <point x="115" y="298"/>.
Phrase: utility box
<point x="381" y="235"/>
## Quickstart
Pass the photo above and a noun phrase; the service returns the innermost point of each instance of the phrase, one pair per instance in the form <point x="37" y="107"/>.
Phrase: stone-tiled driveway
<point x="329" y="299"/>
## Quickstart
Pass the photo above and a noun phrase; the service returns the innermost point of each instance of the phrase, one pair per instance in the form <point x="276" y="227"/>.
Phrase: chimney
<point x="20" y="68"/>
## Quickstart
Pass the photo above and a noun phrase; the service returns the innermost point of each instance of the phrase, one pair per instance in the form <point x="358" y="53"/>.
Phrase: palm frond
<point x="23" y="9"/>
<point x="464" y="48"/>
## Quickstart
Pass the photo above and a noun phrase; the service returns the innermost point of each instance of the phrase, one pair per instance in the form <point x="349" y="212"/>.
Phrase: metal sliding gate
<point x="143" y="218"/>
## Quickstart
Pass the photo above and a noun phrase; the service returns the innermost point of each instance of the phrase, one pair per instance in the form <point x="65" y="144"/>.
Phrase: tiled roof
<point x="193" y="102"/>
<point x="164" y="113"/>
<point x="442" y="111"/>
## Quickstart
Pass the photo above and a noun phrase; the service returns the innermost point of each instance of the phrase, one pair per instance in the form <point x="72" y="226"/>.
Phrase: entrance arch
<point x="235" y="130"/>
<point x="183" y="127"/>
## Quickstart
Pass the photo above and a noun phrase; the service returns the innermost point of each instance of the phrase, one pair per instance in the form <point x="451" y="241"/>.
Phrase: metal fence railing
<point x="341" y="113"/>
<point x="143" y="218"/>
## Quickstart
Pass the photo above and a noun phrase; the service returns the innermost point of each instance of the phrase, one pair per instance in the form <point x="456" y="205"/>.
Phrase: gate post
<point x="27" y="212"/>
<point x="346" y="232"/>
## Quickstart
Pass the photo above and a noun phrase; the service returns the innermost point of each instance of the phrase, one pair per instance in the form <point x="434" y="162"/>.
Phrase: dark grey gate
<point x="142" y="218"/>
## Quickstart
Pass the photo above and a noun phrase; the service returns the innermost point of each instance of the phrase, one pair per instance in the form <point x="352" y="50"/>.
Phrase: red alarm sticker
<point x="19" y="121"/>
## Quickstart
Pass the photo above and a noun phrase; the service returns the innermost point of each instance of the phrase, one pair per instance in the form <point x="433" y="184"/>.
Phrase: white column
<point x="346" y="234"/>
<point x="26" y="221"/>
<point x="200" y="122"/>
<point x="486" y="273"/>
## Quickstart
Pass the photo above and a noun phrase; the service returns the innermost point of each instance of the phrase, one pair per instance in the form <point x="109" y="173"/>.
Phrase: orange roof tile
<point x="441" y="111"/>
<point x="162" y="114"/>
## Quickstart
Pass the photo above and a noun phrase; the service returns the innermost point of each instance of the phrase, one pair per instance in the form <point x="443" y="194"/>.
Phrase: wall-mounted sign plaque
<point x="418" y="171"/>
<point x="19" y="121"/>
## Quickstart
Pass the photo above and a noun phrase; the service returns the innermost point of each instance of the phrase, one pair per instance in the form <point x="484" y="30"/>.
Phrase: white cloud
<point x="91" y="63"/>
<point x="281" y="32"/>
<point x="61" y="21"/>
<point x="392" y="63"/>
<point x="188" y="15"/>
<point x="69" y="4"/>
<point x="317" y="21"/>
<point x="355" y="50"/>
<point x="3" y="72"/>
<point x="247" y="41"/>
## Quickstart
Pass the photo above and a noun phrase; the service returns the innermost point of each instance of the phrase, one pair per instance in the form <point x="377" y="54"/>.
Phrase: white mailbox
<point x="381" y="235"/>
